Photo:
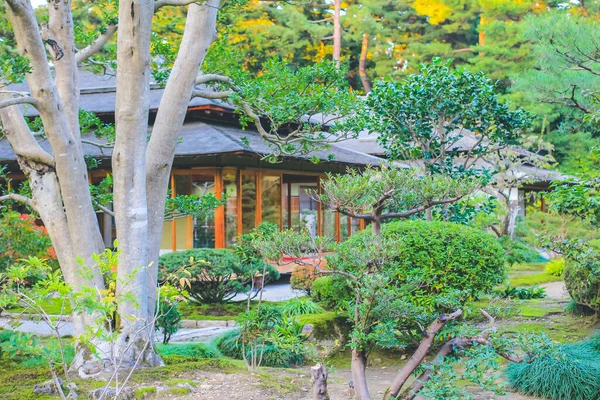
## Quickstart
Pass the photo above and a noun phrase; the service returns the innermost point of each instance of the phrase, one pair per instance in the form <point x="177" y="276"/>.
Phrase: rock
<point x="48" y="387"/>
<point x="205" y="387"/>
<point x="111" y="393"/>
<point x="307" y="329"/>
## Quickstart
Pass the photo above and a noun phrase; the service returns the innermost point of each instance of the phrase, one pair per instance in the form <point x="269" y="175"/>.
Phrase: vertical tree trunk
<point x="337" y="31"/>
<point x="199" y="33"/>
<point x="362" y="64"/>
<point x="359" y="376"/>
<point x="129" y="169"/>
<point x="318" y="375"/>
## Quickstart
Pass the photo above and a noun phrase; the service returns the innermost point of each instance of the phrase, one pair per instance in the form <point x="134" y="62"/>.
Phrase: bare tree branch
<point x="94" y="47"/>
<point x="18" y="100"/>
<point x="105" y="210"/>
<point x="175" y="3"/>
<point x="20" y="199"/>
<point x="212" y="95"/>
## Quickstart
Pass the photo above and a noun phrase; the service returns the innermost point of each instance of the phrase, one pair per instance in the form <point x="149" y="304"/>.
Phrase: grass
<point x="535" y="279"/>
<point x="561" y="328"/>
<point x="225" y="311"/>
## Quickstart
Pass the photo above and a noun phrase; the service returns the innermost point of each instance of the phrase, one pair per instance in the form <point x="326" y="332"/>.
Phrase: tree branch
<point x="18" y="100"/>
<point x="19" y="199"/>
<point x="175" y="3"/>
<point x="417" y="210"/>
<point x="97" y="45"/>
<point x="105" y="210"/>
<point x="212" y="95"/>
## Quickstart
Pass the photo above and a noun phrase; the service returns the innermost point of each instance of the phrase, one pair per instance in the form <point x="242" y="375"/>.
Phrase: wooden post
<point x="318" y="375"/>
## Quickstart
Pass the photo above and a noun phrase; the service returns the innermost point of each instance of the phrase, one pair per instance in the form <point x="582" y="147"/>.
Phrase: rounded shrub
<point x="556" y="266"/>
<point x="442" y="258"/>
<point x="517" y="252"/>
<point x="573" y="374"/>
<point x="177" y="353"/>
<point x="331" y="291"/>
<point x="582" y="285"/>
<point x="215" y="275"/>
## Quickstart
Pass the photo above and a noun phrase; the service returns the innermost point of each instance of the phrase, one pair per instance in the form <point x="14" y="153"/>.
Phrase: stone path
<point x="555" y="290"/>
<point x="192" y="331"/>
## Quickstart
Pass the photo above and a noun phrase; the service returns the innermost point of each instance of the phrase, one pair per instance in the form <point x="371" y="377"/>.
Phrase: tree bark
<point x="337" y="31"/>
<point x="359" y="376"/>
<point x="417" y="358"/>
<point x="318" y="375"/>
<point x="362" y="64"/>
<point x="199" y="33"/>
<point x="129" y="171"/>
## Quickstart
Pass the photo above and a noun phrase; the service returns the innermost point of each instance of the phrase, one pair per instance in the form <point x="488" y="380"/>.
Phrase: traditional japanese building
<point x="214" y="155"/>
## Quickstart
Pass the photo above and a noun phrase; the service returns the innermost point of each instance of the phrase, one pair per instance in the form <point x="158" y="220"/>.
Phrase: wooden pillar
<point x="219" y="212"/>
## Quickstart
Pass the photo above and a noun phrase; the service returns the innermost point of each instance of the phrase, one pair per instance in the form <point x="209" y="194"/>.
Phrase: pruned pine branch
<point x="19" y="199"/>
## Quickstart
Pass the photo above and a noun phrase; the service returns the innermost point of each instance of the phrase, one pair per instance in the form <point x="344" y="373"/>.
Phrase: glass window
<point x="231" y="212"/>
<point x="328" y="223"/>
<point x="343" y="227"/>
<point x="203" y="225"/>
<point x="355" y="225"/>
<point x="248" y="202"/>
<point x="300" y="209"/>
<point x="271" y="199"/>
<point x="182" y="187"/>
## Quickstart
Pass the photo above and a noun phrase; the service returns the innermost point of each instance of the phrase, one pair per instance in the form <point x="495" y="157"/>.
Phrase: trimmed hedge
<point x="177" y="353"/>
<point x="331" y="291"/>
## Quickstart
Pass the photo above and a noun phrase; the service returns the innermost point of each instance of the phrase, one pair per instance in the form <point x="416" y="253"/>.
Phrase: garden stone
<point x="111" y="393"/>
<point x="48" y="387"/>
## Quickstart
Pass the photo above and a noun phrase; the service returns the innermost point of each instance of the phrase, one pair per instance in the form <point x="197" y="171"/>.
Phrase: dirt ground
<point x="291" y="385"/>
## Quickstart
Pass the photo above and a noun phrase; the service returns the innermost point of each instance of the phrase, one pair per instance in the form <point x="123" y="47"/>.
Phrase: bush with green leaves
<point x="573" y="373"/>
<point x="300" y="306"/>
<point x="582" y="284"/>
<point x="555" y="267"/>
<point x="215" y="275"/>
<point x="303" y="277"/>
<point x="177" y="353"/>
<point x="440" y="259"/>
<point x="168" y="320"/>
<point x="517" y="252"/>
<point x="22" y="238"/>
<point x="331" y="291"/>
<point x="523" y="293"/>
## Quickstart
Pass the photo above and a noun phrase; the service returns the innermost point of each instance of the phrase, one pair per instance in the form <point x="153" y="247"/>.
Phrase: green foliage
<point x="178" y="353"/>
<point x="580" y="198"/>
<point x="230" y="344"/>
<point x="522" y="293"/>
<point x="582" y="284"/>
<point x="441" y="258"/>
<point x="22" y="238"/>
<point x="300" y="306"/>
<point x="331" y="291"/>
<point x="572" y="374"/>
<point x="407" y="115"/>
<point x="215" y="275"/>
<point x="556" y="266"/>
<point x="169" y="318"/>
<point x="303" y="277"/>
<point x="328" y="325"/>
<point x="517" y="252"/>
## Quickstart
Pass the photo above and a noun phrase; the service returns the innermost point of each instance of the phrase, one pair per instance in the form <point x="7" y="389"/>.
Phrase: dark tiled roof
<point x="199" y="138"/>
<point x="98" y="95"/>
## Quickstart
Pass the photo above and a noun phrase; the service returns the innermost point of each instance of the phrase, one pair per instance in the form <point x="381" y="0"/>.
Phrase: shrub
<point x="230" y="345"/>
<point x="574" y="374"/>
<point x="517" y="252"/>
<point x="440" y="259"/>
<point x="169" y="318"/>
<point x="301" y="306"/>
<point x="331" y="291"/>
<point x="556" y="266"/>
<point x="328" y="326"/>
<point x="216" y="275"/>
<point x="22" y="238"/>
<point x="178" y="353"/>
<point x="303" y="277"/>
<point x="522" y="293"/>
<point x="582" y="285"/>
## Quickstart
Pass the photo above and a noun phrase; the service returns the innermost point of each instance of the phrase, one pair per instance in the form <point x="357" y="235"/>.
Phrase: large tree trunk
<point x="199" y="33"/>
<point x="134" y="345"/>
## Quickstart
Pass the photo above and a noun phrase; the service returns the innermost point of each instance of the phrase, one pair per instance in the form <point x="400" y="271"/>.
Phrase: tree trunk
<point x="337" y="31"/>
<point x="199" y="33"/>
<point x="318" y="375"/>
<point x="419" y="355"/>
<point x="359" y="376"/>
<point x="134" y="345"/>
<point x="362" y="64"/>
